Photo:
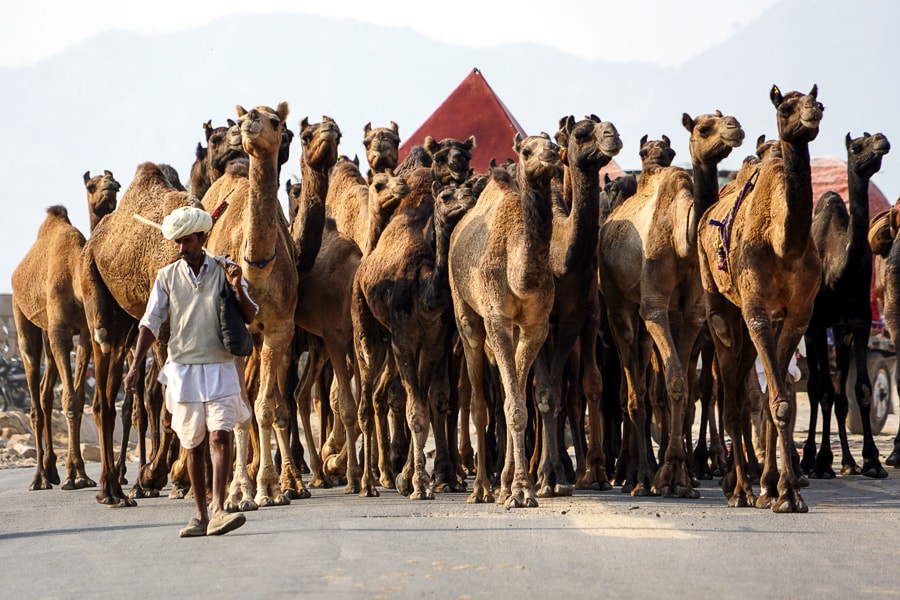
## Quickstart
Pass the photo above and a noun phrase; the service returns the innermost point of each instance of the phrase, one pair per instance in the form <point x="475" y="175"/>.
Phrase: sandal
<point x="195" y="528"/>
<point x="224" y="522"/>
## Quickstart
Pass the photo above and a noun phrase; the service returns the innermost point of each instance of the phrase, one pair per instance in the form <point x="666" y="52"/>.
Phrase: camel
<point x="361" y="209"/>
<point x="761" y="272"/>
<point x="252" y="229"/>
<point x="619" y="189"/>
<point x="656" y="153"/>
<point x="382" y="148"/>
<point x="503" y="291"/>
<point x="648" y="276"/>
<point x="446" y="162"/>
<point x="223" y="146"/>
<point x="844" y="304"/>
<point x="48" y="311"/>
<point x="401" y="293"/>
<point x="586" y="146"/>
<point x="115" y="286"/>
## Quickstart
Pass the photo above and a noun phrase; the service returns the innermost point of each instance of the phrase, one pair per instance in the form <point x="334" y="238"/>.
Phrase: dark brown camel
<point x="586" y="146"/>
<point x="401" y="293"/>
<point x="656" y="153"/>
<point x="843" y="304"/>
<point x="761" y="273"/>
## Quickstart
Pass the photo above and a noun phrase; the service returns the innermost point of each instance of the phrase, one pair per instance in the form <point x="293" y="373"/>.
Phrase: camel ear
<point x="776" y="96"/>
<point x="606" y="179"/>
<point x="517" y="142"/>
<point x="436" y="188"/>
<point x="814" y="92"/>
<point x="395" y="128"/>
<point x="849" y="140"/>
<point x="431" y="146"/>
<point x="687" y="121"/>
<point x="367" y="129"/>
<point x="108" y="173"/>
<point x="470" y="143"/>
<point x="643" y="139"/>
<point x="241" y="111"/>
<point x="666" y="139"/>
<point x="718" y="113"/>
<point x="761" y="140"/>
<point x="304" y="124"/>
<point x="356" y="160"/>
<point x="545" y="135"/>
<point x="287" y="186"/>
<point x="282" y="111"/>
<point x="594" y="118"/>
<point x="208" y="129"/>
<point x="491" y="164"/>
<point x="208" y="125"/>
<point x="87" y="176"/>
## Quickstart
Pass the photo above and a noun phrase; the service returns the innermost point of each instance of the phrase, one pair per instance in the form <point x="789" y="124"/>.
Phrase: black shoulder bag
<point x="234" y="331"/>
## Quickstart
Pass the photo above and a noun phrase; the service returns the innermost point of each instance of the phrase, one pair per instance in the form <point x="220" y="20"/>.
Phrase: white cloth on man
<point x="190" y="382"/>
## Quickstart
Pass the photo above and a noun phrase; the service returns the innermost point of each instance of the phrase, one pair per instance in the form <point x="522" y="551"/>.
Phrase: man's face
<point x="190" y="247"/>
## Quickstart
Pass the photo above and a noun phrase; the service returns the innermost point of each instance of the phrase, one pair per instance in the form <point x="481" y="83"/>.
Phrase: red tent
<point x="474" y="109"/>
<point x="830" y="174"/>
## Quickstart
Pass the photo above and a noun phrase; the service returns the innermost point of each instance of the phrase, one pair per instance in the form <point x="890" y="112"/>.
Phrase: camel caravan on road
<point x="534" y="302"/>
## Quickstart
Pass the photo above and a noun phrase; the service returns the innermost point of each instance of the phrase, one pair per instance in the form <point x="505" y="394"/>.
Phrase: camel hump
<point x="59" y="211"/>
<point x="684" y="229"/>
<point x="830" y="202"/>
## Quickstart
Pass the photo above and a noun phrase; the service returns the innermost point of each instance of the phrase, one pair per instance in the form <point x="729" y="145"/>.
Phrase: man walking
<point x="203" y="390"/>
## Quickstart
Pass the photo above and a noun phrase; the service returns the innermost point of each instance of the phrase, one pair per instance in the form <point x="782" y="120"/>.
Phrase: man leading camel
<point x="203" y="387"/>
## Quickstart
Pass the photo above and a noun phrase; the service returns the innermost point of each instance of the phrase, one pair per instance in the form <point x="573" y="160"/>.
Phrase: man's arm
<point x="144" y="341"/>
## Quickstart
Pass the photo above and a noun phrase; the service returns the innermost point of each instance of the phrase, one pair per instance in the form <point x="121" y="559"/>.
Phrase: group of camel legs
<point x="517" y="298"/>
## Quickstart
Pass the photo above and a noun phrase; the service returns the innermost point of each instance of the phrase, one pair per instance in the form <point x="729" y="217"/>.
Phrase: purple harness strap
<point x="726" y="224"/>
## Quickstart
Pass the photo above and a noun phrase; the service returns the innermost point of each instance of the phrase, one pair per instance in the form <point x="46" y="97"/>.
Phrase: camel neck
<point x="310" y="220"/>
<point x="797" y="217"/>
<point x="585" y="213"/>
<point x="260" y="222"/>
<point x="706" y="186"/>
<point x="532" y="248"/>
<point x="858" y="196"/>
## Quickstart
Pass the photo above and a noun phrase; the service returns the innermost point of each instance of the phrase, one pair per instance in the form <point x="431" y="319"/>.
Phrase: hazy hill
<point x="120" y="99"/>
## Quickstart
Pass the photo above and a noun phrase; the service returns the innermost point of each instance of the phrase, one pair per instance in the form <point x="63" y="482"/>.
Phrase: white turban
<point x="184" y="221"/>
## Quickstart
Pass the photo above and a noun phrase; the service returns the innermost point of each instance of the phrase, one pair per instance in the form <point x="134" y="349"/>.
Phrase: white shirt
<point x="190" y="383"/>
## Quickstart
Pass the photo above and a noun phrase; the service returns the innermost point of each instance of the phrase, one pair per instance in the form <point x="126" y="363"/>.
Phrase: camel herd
<point x="527" y="305"/>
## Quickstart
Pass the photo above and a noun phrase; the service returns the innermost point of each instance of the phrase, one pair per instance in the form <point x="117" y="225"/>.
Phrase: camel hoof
<point x="875" y="472"/>
<point x="177" y="493"/>
<point x="369" y="492"/>
<point x="248" y="506"/>
<point x="786" y="505"/>
<point x="67" y="485"/>
<point x="893" y="460"/>
<point x="426" y="495"/>
<point x="563" y="489"/>
<point x="282" y="500"/>
<point x="40" y="485"/>
<point x="301" y="494"/>
<point x="481" y="498"/>
<point x="803" y="481"/>
<point x="264" y="502"/>
<point x="640" y="490"/>
<point x="686" y="492"/>
<point x="742" y="501"/>
<point x="849" y="469"/>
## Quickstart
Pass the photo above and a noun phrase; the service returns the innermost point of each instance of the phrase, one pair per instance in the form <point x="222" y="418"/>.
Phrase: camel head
<point x="386" y="190"/>
<point x="713" y="136"/>
<point x="293" y="193"/>
<point x="798" y="114"/>
<point x="284" y="151"/>
<point x="767" y="148"/>
<point x="223" y="145"/>
<point x="539" y="158"/>
<point x="864" y="153"/>
<point x="618" y="190"/>
<point x="101" y="193"/>
<point x="319" y="143"/>
<point x="587" y="142"/>
<point x="451" y="202"/>
<point x="450" y="158"/>
<point x="261" y="129"/>
<point x="382" y="146"/>
<point x="656" y="153"/>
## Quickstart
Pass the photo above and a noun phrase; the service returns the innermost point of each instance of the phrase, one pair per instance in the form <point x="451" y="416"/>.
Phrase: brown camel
<point x="223" y="146"/>
<point x="503" y="292"/>
<point x="586" y="147"/>
<point x="253" y="230"/>
<point x="656" y="153"/>
<point x="401" y="293"/>
<point x="382" y="148"/>
<point x="844" y="304"/>
<point x="761" y="273"/>
<point x="48" y="311"/>
<point x="361" y="209"/>
<point x="648" y="275"/>
<point x="118" y="266"/>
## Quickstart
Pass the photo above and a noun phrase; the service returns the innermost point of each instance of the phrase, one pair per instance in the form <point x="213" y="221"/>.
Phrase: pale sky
<point x="664" y="32"/>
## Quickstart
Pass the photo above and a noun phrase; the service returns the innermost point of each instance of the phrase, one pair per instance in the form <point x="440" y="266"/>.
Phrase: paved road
<point x="59" y="544"/>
